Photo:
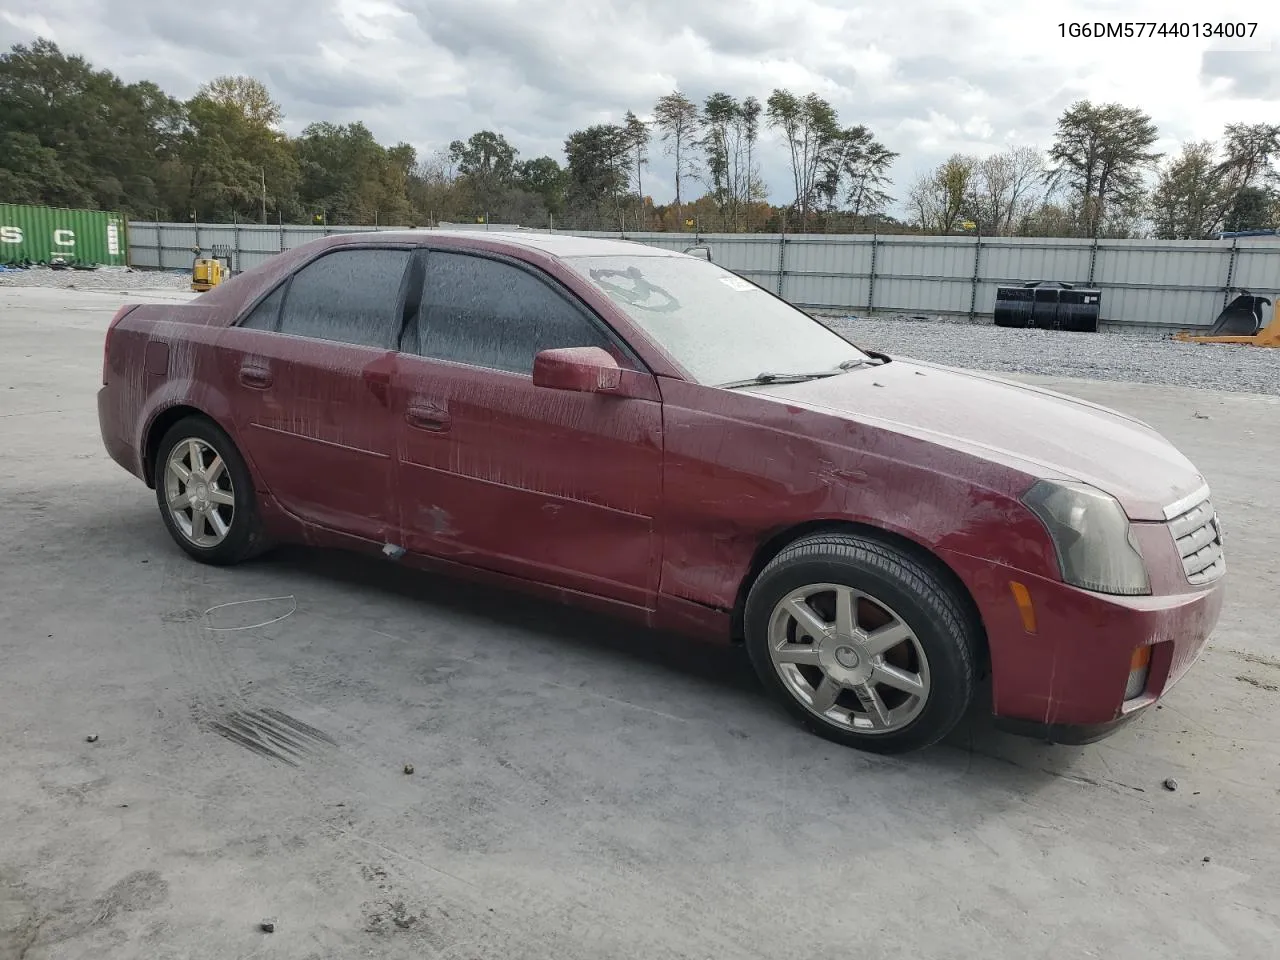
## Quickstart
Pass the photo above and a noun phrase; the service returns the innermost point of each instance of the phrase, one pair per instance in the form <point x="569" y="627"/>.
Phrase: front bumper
<point x="1071" y="734"/>
<point x="1066" y="680"/>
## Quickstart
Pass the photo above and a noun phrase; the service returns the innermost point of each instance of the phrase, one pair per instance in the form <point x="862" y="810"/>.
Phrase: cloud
<point x="1252" y="74"/>
<point x="929" y="77"/>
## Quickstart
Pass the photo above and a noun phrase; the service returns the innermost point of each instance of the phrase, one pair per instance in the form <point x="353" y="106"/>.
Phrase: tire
<point x="231" y="486"/>
<point x="846" y="685"/>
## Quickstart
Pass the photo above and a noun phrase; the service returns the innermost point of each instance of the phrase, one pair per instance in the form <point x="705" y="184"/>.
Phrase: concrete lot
<point x="582" y="790"/>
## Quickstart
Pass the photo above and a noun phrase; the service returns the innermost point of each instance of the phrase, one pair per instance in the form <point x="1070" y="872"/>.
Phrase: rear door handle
<point x="255" y="376"/>
<point x="426" y="415"/>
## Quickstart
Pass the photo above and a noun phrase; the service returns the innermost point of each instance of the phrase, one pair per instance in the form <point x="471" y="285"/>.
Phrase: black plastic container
<point x="1048" y="305"/>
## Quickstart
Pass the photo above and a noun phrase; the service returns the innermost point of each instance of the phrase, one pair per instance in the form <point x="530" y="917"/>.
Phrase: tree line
<point x="72" y="135"/>
<point x="1102" y="177"/>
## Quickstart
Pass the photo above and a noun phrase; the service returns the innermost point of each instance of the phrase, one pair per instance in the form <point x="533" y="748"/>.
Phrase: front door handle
<point x="425" y="415"/>
<point x="256" y="376"/>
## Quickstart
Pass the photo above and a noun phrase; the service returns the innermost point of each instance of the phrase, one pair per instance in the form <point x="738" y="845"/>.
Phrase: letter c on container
<point x="64" y="238"/>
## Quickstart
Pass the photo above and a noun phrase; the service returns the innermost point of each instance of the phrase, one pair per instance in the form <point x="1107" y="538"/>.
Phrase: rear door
<point x="311" y="370"/>
<point x="550" y="485"/>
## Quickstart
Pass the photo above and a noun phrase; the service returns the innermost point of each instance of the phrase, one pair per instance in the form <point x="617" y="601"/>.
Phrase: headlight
<point x="1092" y="536"/>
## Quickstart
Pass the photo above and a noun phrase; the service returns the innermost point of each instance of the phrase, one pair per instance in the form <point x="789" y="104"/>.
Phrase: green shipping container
<point x="41" y="234"/>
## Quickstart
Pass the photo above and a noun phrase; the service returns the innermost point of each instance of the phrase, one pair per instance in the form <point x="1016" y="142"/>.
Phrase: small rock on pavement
<point x="1171" y="784"/>
<point x="269" y="925"/>
<point x="408" y="768"/>
<point x="91" y="738"/>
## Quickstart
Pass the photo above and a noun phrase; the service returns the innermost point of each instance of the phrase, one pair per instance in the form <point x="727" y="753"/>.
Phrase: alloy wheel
<point x="848" y="658"/>
<point x="199" y="492"/>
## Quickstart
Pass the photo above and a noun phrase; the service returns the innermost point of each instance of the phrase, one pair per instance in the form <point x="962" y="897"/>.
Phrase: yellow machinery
<point x="1226" y="331"/>
<point x="205" y="275"/>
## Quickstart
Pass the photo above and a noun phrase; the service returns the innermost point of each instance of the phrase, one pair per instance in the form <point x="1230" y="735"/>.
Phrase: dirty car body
<point x="587" y="419"/>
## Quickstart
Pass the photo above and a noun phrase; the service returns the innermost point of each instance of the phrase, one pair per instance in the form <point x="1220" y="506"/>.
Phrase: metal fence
<point x="172" y="246"/>
<point x="1157" y="283"/>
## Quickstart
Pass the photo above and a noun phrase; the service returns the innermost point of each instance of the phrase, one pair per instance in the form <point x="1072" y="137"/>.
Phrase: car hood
<point x="1040" y="432"/>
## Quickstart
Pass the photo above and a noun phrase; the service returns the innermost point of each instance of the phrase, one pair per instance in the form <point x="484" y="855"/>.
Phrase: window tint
<point x="266" y="315"/>
<point x="492" y="314"/>
<point x="349" y="296"/>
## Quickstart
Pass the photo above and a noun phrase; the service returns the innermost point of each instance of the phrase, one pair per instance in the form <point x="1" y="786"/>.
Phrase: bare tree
<point x="676" y="117"/>
<point x="1048" y="218"/>
<point x="1005" y="187"/>
<point x="432" y="187"/>
<point x="755" y="190"/>
<point x="941" y="198"/>
<point x="637" y="135"/>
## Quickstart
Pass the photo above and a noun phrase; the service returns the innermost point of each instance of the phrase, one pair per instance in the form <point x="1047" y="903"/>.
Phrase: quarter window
<point x="266" y="315"/>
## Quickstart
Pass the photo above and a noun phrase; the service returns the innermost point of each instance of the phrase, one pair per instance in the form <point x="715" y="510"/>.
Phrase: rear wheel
<point x="206" y="494"/>
<point x="864" y="644"/>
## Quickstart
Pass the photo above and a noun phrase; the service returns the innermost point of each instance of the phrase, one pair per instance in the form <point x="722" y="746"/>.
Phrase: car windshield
<point x="719" y="327"/>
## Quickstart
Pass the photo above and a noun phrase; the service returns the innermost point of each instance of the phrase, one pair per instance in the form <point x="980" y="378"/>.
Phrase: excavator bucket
<point x="1241" y="318"/>
<point x="1241" y="323"/>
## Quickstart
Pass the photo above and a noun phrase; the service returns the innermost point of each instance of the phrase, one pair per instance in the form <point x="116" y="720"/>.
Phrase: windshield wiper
<point x="763" y="378"/>
<point x="856" y="362"/>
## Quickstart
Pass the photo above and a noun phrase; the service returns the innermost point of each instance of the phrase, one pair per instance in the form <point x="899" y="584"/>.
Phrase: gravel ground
<point x="102" y="279"/>
<point x="1053" y="353"/>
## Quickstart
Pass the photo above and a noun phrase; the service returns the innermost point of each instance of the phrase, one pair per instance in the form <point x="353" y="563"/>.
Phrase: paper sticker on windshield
<point x="735" y="283"/>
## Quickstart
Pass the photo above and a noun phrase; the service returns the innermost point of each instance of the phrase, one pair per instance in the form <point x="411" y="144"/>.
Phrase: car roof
<point x="554" y="244"/>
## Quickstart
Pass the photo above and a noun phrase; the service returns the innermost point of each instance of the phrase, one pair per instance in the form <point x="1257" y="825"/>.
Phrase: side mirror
<point x="582" y="369"/>
<point x="699" y="251"/>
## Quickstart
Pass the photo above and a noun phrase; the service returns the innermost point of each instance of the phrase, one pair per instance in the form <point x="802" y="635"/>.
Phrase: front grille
<point x="1198" y="536"/>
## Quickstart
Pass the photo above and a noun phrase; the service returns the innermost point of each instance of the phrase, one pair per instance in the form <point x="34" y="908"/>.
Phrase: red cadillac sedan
<point x="640" y="431"/>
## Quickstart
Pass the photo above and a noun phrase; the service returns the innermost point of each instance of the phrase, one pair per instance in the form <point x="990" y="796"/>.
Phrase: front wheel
<point x="205" y="493"/>
<point x="864" y="644"/>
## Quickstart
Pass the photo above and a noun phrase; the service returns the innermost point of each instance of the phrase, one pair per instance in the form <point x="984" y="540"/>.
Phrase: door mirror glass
<point x="582" y="369"/>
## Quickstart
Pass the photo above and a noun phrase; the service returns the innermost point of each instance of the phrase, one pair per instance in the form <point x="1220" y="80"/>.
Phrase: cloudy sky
<point x="930" y="77"/>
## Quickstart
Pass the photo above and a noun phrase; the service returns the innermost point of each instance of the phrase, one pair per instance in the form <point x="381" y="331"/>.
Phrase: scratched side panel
<point x="740" y="468"/>
<point x="318" y="438"/>
<point x="552" y="485"/>
<point x="143" y="392"/>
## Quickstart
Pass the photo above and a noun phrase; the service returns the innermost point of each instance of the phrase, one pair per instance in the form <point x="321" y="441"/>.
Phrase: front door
<point x="310" y="370"/>
<point x="550" y="485"/>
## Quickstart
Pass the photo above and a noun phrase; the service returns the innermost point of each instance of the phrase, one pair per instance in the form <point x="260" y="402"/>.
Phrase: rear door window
<point x="489" y="313"/>
<point x="349" y="296"/>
